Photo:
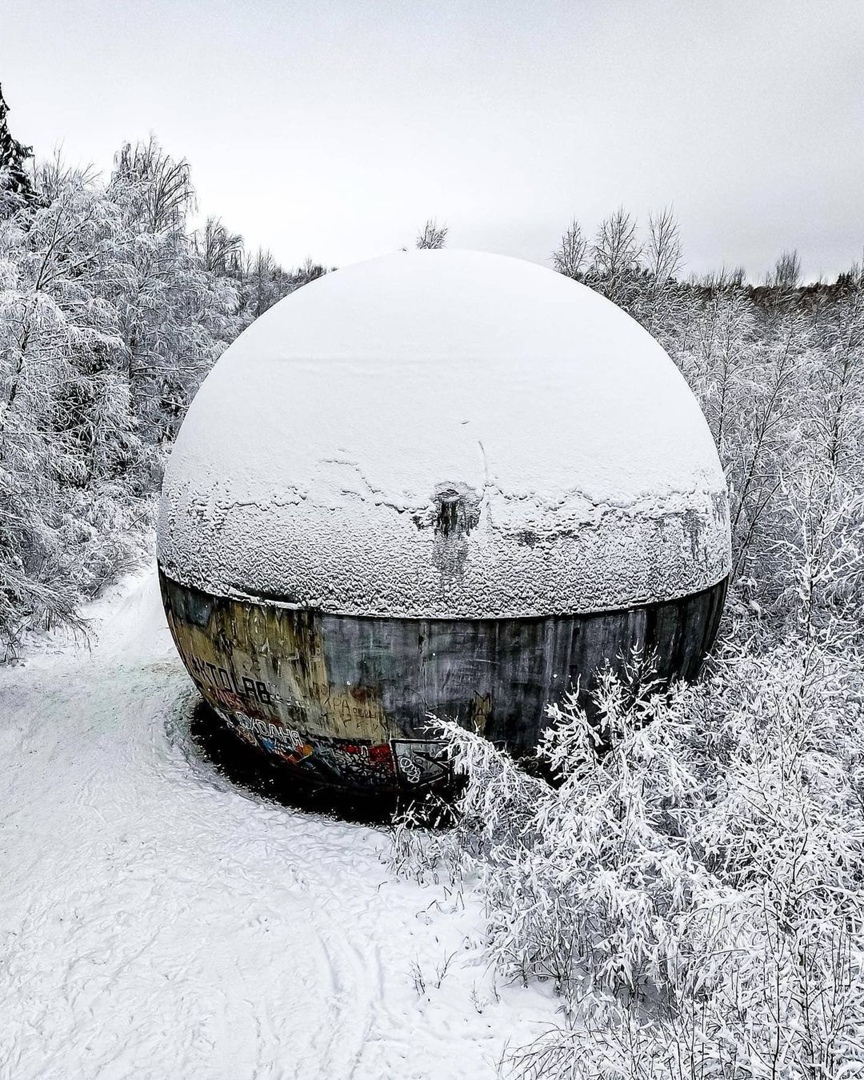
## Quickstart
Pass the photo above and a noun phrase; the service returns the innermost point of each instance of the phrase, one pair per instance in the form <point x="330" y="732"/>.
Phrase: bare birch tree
<point x="570" y="256"/>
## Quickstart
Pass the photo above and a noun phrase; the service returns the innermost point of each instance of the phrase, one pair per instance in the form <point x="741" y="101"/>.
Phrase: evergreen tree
<point x="16" y="187"/>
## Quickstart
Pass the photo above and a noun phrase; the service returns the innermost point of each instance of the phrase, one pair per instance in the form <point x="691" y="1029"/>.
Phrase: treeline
<point x="112" y="309"/>
<point x="692" y="886"/>
<point x="778" y="368"/>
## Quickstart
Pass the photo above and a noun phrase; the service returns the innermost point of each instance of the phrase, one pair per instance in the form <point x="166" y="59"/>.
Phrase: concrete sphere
<point x="436" y="482"/>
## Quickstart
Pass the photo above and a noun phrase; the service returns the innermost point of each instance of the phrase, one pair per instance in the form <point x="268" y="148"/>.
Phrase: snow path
<point x="158" y="922"/>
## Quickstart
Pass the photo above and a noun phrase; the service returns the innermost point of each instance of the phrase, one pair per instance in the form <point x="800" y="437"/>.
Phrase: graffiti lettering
<point x="221" y="678"/>
<point x="421" y="761"/>
<point x="369" y="765"/>
<point x="283" y="739"/>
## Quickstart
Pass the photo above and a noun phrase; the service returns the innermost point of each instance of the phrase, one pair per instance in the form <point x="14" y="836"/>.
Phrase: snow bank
<point x="449" y="434"/>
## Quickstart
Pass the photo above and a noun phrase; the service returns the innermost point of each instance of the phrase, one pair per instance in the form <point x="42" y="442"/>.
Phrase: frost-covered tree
<point x="615" y="259"/>
<point x="64" y="426"/>
<point x="220" y="251"/>
<point x="111" y="313"/>
<point x="690" y="882"/>
<point x="659" y="302"/>
<point x="570" y="255"/>
<point x="787" y="271"/>
<point x="158" y="187"/>
<point x="263" y="283"/>
<point x="640" y="276"/>
<point x="175" y="312"/>
<point x="16" y="187"/>
<point x="692" y="892"/>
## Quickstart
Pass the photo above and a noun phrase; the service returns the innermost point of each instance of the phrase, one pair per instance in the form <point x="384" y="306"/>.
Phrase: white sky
<point x="334" y="128"/>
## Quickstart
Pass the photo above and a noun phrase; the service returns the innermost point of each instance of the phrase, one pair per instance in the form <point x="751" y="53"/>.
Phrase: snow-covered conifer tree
<point x="16" y="187"/>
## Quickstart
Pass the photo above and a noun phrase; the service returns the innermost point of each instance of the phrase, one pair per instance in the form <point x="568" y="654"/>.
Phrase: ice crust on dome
<point x="445" y="434"/>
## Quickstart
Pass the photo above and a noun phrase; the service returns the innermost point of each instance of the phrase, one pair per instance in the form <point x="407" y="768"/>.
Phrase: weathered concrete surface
<point x="345" y="698"/>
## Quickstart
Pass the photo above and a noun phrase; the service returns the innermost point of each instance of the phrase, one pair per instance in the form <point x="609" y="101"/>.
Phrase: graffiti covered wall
<point x="345" y="699"/>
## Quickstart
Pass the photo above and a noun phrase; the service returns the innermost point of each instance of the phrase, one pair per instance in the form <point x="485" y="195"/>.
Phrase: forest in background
<point x="112" y="310"/>
<point x="692" y="882"/>
<point x="695" y="893"/>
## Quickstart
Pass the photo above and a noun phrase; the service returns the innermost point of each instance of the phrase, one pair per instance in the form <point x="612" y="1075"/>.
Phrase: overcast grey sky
<point x="334" y="128"/>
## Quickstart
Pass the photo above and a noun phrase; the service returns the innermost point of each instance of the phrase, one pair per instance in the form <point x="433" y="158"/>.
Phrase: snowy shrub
<point x="694" y="888"/>
<point x="692" y="882"/>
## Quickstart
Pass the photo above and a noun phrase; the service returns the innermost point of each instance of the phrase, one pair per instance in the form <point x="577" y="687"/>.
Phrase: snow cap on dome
<point x="445" y="434"/>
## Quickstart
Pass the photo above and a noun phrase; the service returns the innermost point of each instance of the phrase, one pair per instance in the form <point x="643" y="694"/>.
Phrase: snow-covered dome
<point x="445" y="434"/>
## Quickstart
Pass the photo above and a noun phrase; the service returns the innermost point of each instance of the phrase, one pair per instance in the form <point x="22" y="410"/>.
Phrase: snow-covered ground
<point x="158" y="922"/>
